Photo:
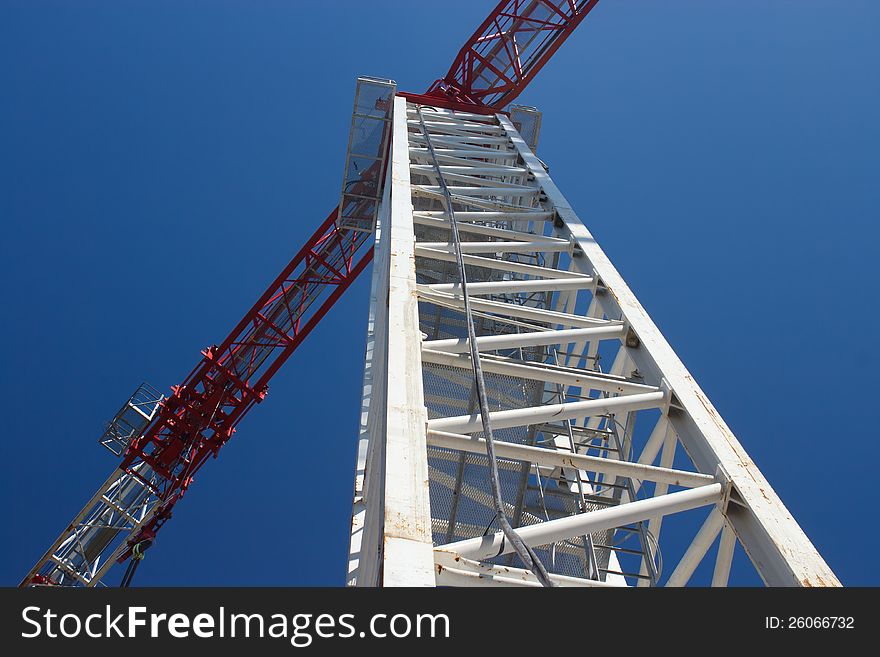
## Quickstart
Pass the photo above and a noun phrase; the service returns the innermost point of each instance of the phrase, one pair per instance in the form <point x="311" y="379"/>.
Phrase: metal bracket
<point x="723" y="478"/>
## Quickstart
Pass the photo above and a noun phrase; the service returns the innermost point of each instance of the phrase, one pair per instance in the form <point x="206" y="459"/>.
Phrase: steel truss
<point x="602" y="435"/>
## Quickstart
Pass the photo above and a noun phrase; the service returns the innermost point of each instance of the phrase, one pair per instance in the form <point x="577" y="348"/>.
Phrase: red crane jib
<point x="507" y="51"/>
<point x="200" y="416"/>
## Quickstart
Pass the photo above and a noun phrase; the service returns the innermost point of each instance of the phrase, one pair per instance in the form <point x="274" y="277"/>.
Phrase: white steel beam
<point x="697" y="550"/>
<point x="531" y="339"/>
<point x="516" y="310"/>
<point x="480" y="229"/>
<point x="479" y="154"/>
<point x="457" y="116"/>
<point x="516" y="286"/>
<point x="724" y="559"/>
<point x="519" y="417"/>
<point x="406" y="550"/>
<point x="563" y="529"/>
<point x="523" y="215"/>
<point x="465" y="179"/>
<point x="512" y="266"/>
<point x="557" y="458"/>
<point x="460" y="190"/>
<point x="457" y="127"/>
<point x="667" y="458"/>
<point x="455" y="140"/>
<point x="469" y="171"/>
<point x="531" y="246"/>
<point x="540" y="372"/>
<point x="456" y="571"/>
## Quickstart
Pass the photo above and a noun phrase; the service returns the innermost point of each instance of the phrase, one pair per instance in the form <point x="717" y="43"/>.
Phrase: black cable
<point x="526" y="554"/>
<point x="137" y="555"/>
<point x="129" y="573"/>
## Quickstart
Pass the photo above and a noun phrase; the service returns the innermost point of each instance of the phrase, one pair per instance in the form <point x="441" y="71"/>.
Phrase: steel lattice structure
<point x="507" y="51"/>
<point x="600" y="431"/>
<point x="571" y="360"/>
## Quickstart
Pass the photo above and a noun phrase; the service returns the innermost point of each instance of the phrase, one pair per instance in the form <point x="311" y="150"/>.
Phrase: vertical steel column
<point x="395" y="547"/>
<point x="366" y="515"/>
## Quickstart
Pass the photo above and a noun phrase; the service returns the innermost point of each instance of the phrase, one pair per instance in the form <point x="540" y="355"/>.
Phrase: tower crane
<point x="163" y="441"/>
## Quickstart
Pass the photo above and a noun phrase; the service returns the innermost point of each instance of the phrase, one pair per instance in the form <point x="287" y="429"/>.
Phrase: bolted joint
<point x="723" y="478"/>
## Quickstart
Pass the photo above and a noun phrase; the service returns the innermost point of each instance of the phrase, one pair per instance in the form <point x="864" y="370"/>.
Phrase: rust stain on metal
<point x="816" y="581"/>
<point x="705" y="401"/>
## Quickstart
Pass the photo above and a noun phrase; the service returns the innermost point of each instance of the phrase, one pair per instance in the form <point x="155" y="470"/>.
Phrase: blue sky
<point x="160" y="162"/>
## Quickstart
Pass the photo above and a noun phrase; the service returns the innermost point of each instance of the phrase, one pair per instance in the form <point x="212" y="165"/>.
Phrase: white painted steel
<point x="456" y="571"/>
<point x="539" y="372"/>
<point x="508" y="266"/>
<point x="481" y="229"/>
<point x="516" y="286"/>
<point x="724" y="558"/>
<point x="407" y="558"/>
<point x="561" y="459"/>
<point x="501" y="246"/>
<point x="487" y="547"/>
<point x="515" y="310"/>
<point x="395" y="540"/>
<point x="667" y="458"/>
<point x="550" y="412"/>
<point x="489" y="216"/>
<point x="516" y="340"/>
<point x="697" y="550"/>
<point x="570" y="329"/>
<point x="482" y="191"/>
